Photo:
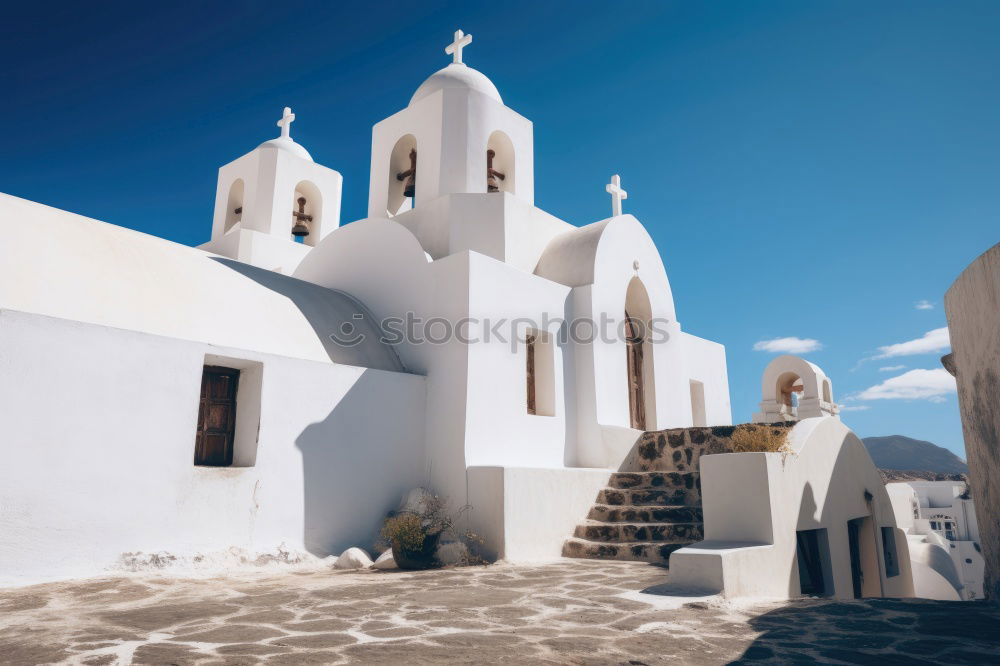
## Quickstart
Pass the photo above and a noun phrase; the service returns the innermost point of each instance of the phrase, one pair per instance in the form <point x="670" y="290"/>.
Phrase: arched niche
<point x="787" y="389"/>
<point x="827" y="391"/>
<point x="639" y="356"/>
<point x="399" y="162"/>
<point x="503" y="161"/>
<point x="234" y="205"/>
<point x="313" y="208"/>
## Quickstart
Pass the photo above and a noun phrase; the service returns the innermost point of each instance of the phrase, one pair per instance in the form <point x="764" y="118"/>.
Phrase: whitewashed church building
<point x="274" y="392"/>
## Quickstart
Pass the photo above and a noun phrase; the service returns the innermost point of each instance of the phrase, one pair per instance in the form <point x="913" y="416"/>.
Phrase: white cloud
<point x="932" y="341"/>
<point x="891" y="368"/>
<point x="854" y="408"/>
<point x="924" y="305"/>
<point x="788" y="345"/>
<point x="917" y="384"/>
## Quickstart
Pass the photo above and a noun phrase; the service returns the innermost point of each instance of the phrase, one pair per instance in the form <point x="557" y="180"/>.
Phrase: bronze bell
<point x="492" y="174"/>
<point x="410" y="176"/>
<point x="300" y="230"/>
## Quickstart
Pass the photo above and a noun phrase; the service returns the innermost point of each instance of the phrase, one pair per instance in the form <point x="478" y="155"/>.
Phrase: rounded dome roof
<point x="457" y="75"/>
<point x="282" y="143"/>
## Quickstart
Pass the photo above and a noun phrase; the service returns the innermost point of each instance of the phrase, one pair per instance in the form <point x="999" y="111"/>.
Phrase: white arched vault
<point x="792" y="388"/>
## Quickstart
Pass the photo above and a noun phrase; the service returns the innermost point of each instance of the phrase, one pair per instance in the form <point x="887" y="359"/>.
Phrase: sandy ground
<point x="570" y="612"/>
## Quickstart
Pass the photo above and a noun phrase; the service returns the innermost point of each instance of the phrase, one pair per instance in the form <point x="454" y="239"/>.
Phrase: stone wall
<point x="973" y="308"/>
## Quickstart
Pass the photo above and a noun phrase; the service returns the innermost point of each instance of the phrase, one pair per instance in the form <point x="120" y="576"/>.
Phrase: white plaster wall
<point x="705" y="361"/>
<point x="499" y="429"/>
<point x="755" y="502"/>
<point x="531" y="511"/>
<point x="98" y="273"/>
<point x="113" y="473"/>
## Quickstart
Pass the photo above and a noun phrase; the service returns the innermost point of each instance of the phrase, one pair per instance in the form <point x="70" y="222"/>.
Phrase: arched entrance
<point x="639" y="357"/>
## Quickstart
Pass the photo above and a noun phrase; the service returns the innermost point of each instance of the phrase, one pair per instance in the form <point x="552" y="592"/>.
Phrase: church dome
<point x="457" y="75"/>
<point x="282" y="143"/>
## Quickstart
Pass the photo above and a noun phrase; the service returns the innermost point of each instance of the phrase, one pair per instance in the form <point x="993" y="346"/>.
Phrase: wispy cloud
<point x="891" y="368"/>
<point x="932" y="341"/>
<point x="917" y="384"/>
<point x="788" y="345"/>
<point x="924" y="305"/>
<point x="854" y="408"/>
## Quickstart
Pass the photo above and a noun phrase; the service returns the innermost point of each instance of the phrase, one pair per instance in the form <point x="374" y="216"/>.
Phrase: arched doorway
<point x="639" y="357"/>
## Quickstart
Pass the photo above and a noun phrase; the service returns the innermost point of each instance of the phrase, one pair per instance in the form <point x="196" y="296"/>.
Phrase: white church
<point x="274" y="392"/>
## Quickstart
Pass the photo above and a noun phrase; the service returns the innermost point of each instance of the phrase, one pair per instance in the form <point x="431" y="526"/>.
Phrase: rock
<point x="385" y="561"/>
<point x="452" y="552"/>
<point x="417" y="501"/>
<point x="353" y="558"/>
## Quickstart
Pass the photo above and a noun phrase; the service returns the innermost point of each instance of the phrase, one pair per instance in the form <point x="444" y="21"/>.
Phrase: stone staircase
<point x="651" y="507"/>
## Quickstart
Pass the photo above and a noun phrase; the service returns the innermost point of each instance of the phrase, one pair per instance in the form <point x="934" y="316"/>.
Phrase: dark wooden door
<point x="636" y="396"/>
<point x="854" y="543"/>
<point x="216" y="417"/>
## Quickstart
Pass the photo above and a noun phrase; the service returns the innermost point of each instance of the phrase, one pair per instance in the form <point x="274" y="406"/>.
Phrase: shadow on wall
<point x="354" y="470"/>
<point x="329" y="312"/>
<point x="877" y="631"/>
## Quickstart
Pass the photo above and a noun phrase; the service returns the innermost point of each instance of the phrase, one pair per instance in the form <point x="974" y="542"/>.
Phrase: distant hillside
<point x="896" y="452"/>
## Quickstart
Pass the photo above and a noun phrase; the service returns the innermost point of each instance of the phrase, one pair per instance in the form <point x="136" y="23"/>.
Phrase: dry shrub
<point x="754" y="438"/>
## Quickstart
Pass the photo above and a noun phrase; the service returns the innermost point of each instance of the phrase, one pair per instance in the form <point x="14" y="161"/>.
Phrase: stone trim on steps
<point x="652" y="506"/>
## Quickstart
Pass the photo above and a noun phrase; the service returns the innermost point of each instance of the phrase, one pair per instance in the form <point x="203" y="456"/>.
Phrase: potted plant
<point x="415" y="533"/>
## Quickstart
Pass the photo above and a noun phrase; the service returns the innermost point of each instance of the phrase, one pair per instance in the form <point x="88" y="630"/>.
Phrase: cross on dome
<point x="614" y="188"/>
<point x="287" y="118"/>
<point x="455" y="48"/>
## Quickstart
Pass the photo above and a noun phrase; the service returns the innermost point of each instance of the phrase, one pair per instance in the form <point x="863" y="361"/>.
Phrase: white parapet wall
<point x="756" y="503"/>
<point x="525" y="514"/>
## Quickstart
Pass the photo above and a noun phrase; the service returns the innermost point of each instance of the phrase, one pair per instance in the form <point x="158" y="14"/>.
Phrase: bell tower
<point x="274" y="204"/>
<point x="454" y="137"/>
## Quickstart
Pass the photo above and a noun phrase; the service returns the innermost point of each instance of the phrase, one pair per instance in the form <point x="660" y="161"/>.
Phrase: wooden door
<point x="854" y="544"/>
<point x="634" y="351"/>
<point x="216" y="417"/>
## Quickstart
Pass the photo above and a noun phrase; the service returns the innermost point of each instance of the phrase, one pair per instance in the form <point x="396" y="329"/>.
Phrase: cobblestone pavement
<point x="570" y="612"/>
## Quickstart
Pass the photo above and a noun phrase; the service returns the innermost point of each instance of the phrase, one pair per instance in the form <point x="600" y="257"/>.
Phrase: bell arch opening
<point x="787" y="390"/>
<point x="307" y="213"/>
<point x="234" y="205"/>
<point x="402" y="179"/>
<point x="500" y="163"/>
<point x="639" y="357"/>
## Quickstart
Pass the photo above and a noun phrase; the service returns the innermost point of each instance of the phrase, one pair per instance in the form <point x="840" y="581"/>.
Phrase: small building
<point x="943" y="513"/>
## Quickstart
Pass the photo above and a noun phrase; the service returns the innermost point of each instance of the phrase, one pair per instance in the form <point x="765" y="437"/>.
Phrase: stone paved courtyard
<point x="571" y="612"/>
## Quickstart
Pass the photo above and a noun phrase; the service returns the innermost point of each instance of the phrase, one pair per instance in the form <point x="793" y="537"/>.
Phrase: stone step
<point x="640" y="532"/>
<point x="649" y="497"/>
<point x="645" y="514"/>
<point x="656" y="553"/>
<point x="655" y="480"/>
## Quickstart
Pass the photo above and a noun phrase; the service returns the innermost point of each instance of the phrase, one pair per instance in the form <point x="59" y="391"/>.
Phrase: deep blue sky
<point x="808" y="169"/>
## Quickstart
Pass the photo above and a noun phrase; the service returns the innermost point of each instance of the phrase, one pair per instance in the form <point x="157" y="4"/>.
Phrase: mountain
<point x="903" y="453"/>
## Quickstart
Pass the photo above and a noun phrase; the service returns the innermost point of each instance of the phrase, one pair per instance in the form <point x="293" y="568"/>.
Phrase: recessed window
<point x="698" y="404"/>
<point x="889" y="552"/>
<point x="228" y="413"/>
<point x="540" y="373"/>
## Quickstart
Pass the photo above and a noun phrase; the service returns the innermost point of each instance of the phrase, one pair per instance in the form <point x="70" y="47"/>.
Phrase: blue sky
<point x="809" y="170"/>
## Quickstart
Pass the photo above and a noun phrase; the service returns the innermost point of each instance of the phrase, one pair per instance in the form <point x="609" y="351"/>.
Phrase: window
<point x="889" y="552"/>
<point x="540" y="373"/>
<point x="226" y="436"/>
<point x="216" y="417"/>
<point x="698" y="404"/>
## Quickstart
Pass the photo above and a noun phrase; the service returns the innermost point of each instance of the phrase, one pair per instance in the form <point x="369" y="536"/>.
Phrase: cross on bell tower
<point x="614" y="188"/>
<point x="287" y="118"/>
<point x="455" y="48"/>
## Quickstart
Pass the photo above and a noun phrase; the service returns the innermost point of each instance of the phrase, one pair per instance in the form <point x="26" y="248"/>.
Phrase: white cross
<point x="455" y="48"/>
<point x="614" y="188"/>
<point x="286" y="121"/>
